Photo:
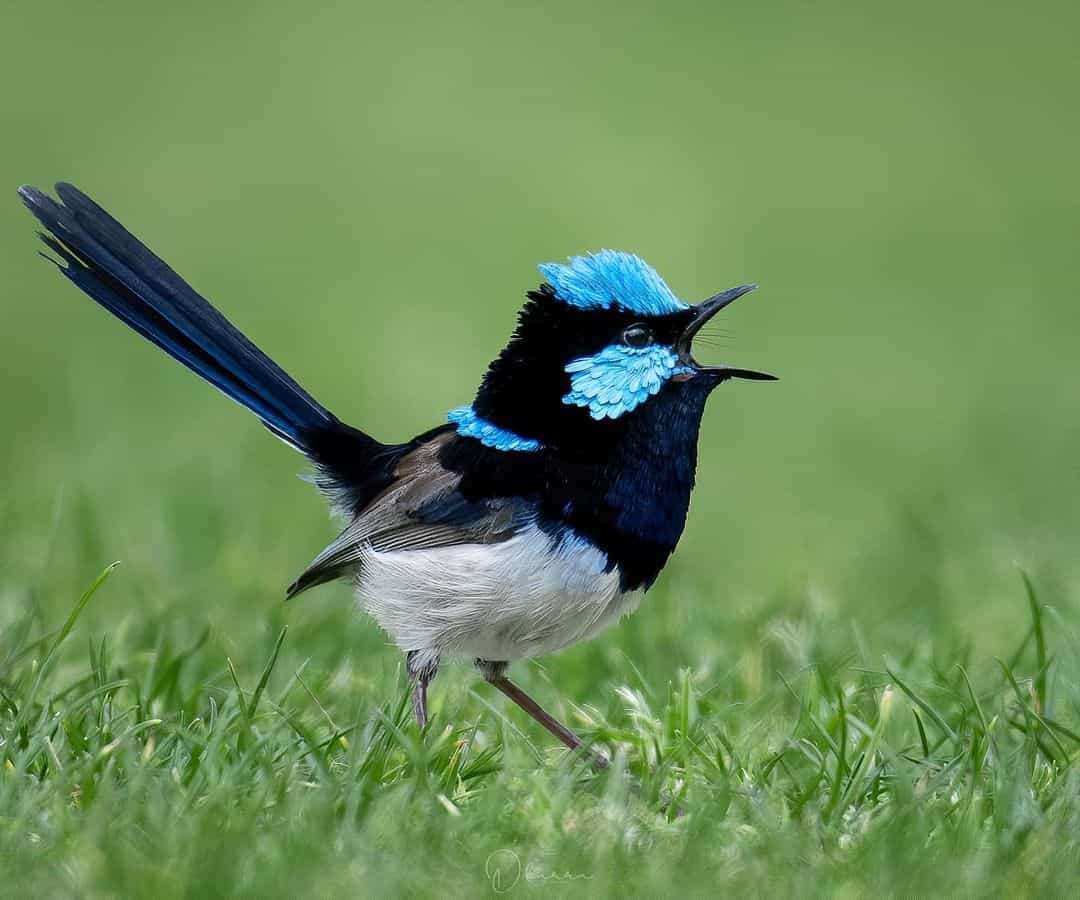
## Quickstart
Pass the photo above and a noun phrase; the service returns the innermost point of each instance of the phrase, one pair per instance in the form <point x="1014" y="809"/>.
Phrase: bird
<point x="533" y="517"/>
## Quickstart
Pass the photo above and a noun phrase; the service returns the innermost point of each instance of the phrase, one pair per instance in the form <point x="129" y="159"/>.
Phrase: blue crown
<point x="611" y="278"/>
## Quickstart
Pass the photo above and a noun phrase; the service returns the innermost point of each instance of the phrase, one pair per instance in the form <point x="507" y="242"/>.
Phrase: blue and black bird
<point x="533" y="518"/>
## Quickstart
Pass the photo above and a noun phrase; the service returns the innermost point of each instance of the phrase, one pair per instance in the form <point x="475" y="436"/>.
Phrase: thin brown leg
<point x="535" y="710"/>
<point x="419" y="702"/>
<point x="493" y="674"/>
<point x="422" y="668"/>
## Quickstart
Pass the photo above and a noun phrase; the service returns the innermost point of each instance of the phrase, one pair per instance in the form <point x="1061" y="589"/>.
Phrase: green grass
<point x="174" y="773"/>
<point x="810" y="700"/>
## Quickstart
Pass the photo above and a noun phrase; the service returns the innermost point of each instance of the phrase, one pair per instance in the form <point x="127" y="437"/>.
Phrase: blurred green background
<point x="366" y="191"/>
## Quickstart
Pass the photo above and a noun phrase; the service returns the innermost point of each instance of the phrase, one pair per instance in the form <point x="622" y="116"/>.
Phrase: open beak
<point x="703" y="312"/>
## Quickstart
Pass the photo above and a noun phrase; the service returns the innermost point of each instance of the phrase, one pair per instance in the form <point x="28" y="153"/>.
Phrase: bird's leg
<point x="494" y="673"/>
<point x="422" y="668"/>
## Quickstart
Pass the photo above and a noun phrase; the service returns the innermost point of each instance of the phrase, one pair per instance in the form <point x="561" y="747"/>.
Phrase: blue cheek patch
<point x="619" y="378"/>
<point x="469" y="424"/>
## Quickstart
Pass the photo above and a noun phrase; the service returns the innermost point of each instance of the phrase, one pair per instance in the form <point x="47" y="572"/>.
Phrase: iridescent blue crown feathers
<point x="612" y="279"/>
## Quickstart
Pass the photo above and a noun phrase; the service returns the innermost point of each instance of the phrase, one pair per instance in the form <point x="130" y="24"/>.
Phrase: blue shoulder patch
<point x="611" y="278"/>
<point x="469" y="424"/>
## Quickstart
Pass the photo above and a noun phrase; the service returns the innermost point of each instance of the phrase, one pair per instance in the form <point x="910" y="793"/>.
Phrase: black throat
<point x="624" y="485"/>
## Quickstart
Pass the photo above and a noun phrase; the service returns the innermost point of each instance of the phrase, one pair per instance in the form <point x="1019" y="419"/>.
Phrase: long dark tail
<point x="137" y="287"/>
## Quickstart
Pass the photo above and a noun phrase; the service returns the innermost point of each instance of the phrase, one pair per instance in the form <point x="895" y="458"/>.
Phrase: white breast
<point x="526" y="596"/>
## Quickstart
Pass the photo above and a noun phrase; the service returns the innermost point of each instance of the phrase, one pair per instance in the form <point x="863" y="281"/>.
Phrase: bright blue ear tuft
<point x="619" y="379"/>
<point x="612" y="279"/>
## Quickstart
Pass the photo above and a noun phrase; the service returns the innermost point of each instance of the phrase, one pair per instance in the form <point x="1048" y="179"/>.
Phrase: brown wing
<point x="420" y="510"/>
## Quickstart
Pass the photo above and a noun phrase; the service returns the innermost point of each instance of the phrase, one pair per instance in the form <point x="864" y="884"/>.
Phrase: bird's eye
<point x="637" y="335"/>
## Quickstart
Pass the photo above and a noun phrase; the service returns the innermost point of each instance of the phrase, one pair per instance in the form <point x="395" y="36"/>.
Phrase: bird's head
<point x="595" y="347"/>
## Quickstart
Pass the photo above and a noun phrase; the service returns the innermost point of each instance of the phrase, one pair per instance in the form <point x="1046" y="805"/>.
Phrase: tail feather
<point x="115" y="269"/>
<point x="126" y="278"/>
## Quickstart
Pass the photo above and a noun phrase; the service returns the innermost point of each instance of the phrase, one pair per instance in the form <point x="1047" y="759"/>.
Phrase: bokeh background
<point x="366" y="191"/>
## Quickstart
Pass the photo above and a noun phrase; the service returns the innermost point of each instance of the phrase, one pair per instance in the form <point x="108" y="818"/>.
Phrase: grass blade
<point x="267" y="669"/>
<point x="1040" y="641"/>
<point x="934" y="715"/>
<point x="65" y="630"/>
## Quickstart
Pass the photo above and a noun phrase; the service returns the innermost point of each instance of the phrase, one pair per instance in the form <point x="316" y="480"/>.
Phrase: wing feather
<point x="422" y="509"/>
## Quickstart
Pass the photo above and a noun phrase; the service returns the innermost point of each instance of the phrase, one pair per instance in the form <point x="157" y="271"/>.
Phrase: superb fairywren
<point x="532" y="519"/>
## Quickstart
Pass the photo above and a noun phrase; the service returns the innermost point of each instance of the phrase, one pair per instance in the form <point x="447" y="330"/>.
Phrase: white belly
<point x="526" y="596"/>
